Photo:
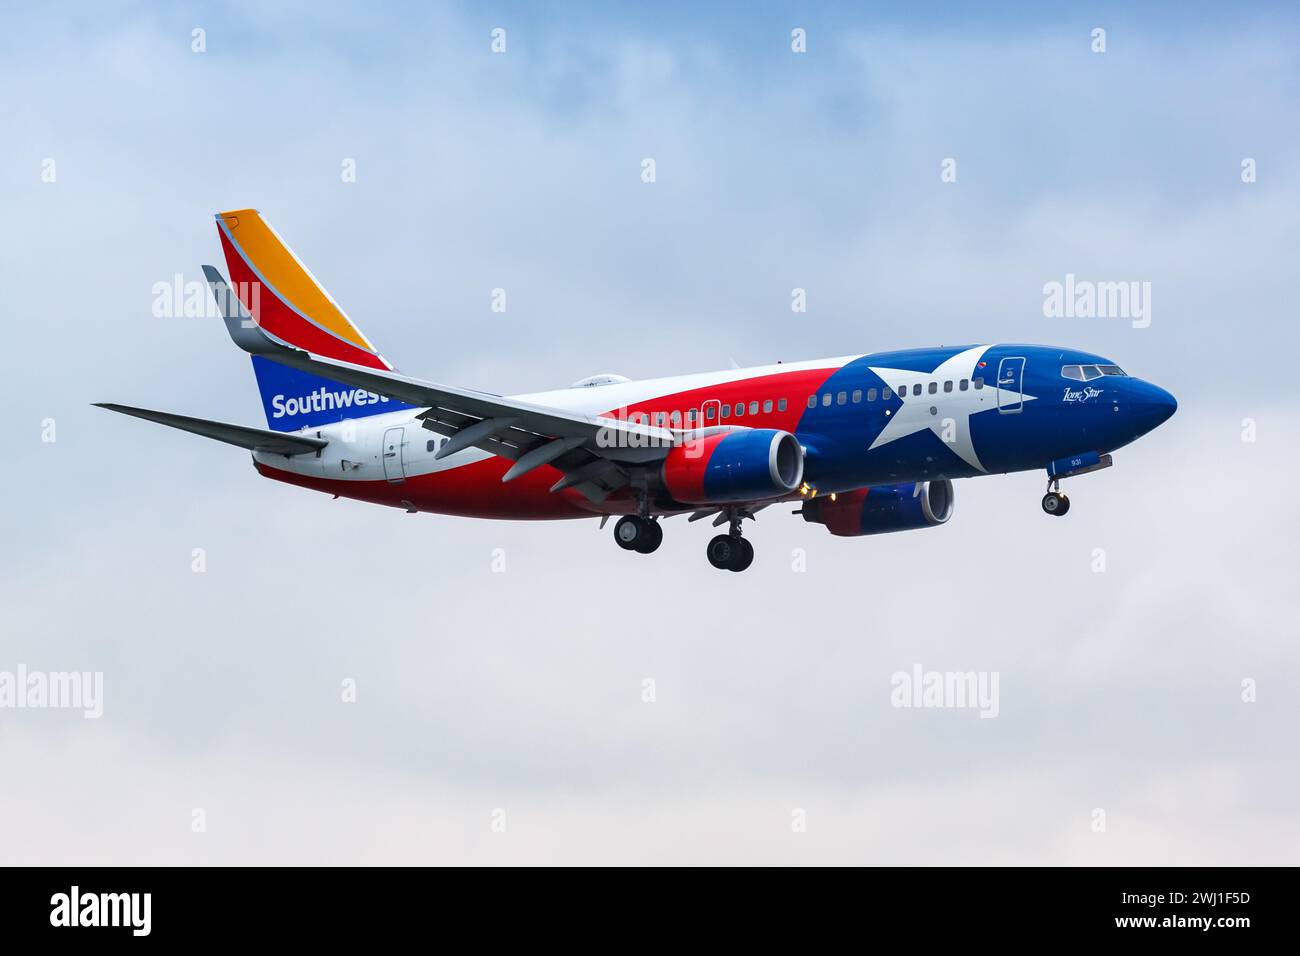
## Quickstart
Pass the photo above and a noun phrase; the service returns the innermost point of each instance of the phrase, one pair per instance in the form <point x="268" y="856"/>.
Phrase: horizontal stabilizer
<point x="254" y="439"/>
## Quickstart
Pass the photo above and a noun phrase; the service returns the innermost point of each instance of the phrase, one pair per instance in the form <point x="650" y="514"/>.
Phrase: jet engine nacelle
<point x="751" y="465"/>
<point x="883" y="508"/>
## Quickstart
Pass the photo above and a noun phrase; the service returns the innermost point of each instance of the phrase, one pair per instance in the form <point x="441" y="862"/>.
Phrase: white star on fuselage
<point x="957" y="406"/>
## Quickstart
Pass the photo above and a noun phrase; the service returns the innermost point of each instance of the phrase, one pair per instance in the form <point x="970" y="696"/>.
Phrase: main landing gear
<point x="638" y="534"/>
<point x="1054" y="502"/>
<point x="731" y="552"/>
<point x="727" y="552"/>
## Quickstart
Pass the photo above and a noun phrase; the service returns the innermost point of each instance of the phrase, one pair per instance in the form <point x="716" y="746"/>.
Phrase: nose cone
<point x="1151" y="406"/>
<point x="1167" y="403"/>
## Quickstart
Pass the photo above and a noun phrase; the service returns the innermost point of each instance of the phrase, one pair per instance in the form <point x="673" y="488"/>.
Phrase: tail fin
<point x="286" y="300"/>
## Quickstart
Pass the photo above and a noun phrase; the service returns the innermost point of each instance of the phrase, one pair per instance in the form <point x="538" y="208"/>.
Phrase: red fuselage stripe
<point x="476" y="490"/>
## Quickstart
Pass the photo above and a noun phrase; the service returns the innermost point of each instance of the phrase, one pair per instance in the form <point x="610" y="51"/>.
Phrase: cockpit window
<point x="1086" y="373"/>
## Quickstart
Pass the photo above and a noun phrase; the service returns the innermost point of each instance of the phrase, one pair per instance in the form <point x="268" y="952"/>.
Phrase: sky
<point x="348" y="684"/>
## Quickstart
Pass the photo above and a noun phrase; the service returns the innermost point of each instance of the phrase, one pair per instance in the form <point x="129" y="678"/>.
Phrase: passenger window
<point x="693" y="416"/>
<point x="767" y="406"/>
<point x="916" y="389"/>
<point x="812" y="401"/>
<point x="740" y="409"/>
<point x="965" y="384"/>
<point x="660" y="418"/>
<point x="753" y="408"/>
<point x="675" y="418"/>
<point x="431" y="445"/>
<point x="826" y="400"/>
<point x="886" y="393"/>
<point x="780" y="405"/>
<point x="871" y="394"/>
<point x="947" y="386"/>
<point x="979" y="383"/>
<point x="726" y="411"/>
<point x="842" y="398"/>
<point x="934" y="387"/>
<point x="710" y="411"/>
<point x="857" y="396"/>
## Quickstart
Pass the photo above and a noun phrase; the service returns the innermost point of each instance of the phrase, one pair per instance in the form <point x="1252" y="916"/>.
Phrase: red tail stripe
<point x="276" y="317"/>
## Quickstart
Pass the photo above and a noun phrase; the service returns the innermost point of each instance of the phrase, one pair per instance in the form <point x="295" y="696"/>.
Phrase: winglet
<point x="243" y="328"/>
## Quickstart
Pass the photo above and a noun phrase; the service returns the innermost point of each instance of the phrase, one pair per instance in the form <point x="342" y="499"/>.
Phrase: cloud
<point x="144" y="813"/>
<point x="522" y="690"/>
<point x="478" y="689"/>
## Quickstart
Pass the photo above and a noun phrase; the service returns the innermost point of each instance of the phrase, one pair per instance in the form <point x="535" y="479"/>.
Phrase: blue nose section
<point x="1151" y="406"/>
<point x="1166" y="404"/>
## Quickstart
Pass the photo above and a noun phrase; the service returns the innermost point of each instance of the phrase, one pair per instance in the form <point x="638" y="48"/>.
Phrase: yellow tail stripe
<point x="268" y="254"/>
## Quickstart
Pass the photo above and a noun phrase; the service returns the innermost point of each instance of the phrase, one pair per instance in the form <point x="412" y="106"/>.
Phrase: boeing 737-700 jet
<point x="864" y="444"/>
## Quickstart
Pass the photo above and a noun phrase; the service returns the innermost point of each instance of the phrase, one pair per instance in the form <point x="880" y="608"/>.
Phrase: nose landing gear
<point x="1055" y="503"/>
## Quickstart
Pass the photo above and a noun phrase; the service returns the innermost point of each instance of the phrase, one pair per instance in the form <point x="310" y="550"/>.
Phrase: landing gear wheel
<point x="722" y="551"/>
<point x="729" y="553"/>
<point x="1065" y="505"/>
<point x="652" y="535"/>
<point x="1055" y="504"/>
<point x="743" y="557"/>
<point x="630" y="532"/>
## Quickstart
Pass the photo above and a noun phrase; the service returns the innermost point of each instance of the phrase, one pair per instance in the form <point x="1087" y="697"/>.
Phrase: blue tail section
<point x="293" y="399"/>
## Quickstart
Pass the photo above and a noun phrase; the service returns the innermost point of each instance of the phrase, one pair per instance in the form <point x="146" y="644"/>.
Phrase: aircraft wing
<point x="591" y="450"/>
<point x="254" y="439"/>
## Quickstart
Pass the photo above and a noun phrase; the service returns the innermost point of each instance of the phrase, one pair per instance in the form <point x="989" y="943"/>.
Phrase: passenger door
<point x="394" y="466"/>
<point x="1011" y="378"/>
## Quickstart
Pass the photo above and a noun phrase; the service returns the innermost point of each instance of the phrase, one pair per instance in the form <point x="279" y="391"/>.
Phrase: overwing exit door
<point x="710" y="413"/>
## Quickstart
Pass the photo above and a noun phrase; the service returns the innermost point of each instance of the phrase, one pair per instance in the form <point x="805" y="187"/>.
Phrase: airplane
<point x="863" y="444"/>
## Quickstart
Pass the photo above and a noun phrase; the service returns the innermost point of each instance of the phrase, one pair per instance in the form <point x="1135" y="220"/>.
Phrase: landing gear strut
<point x="1054" y="502"/>
<point x="730" y="552"/>
<point x="638" y="534"/>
